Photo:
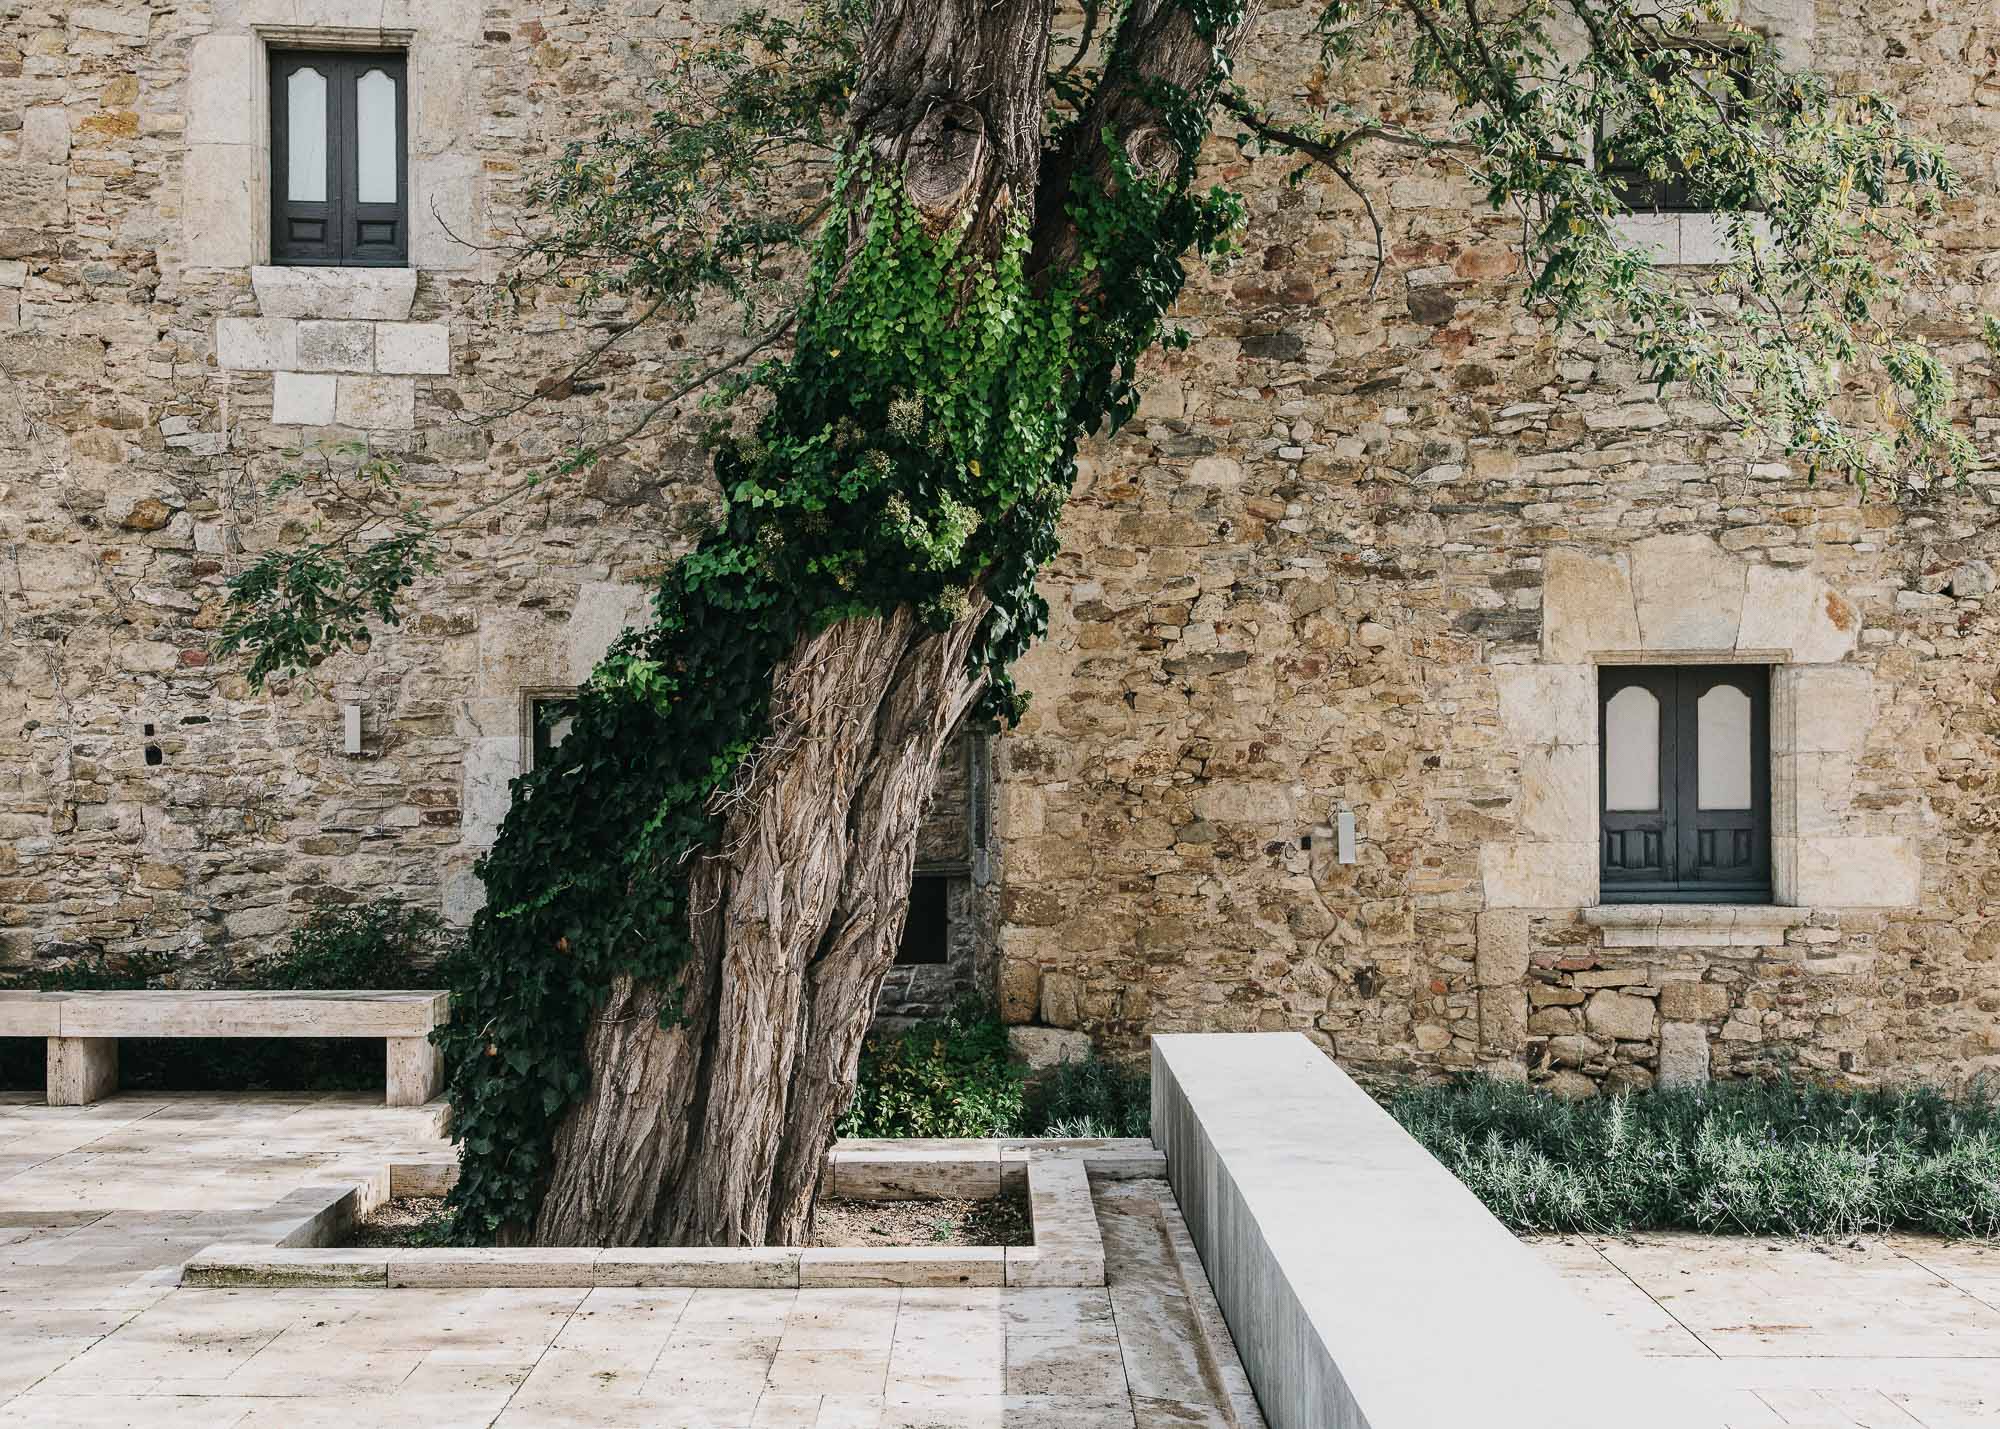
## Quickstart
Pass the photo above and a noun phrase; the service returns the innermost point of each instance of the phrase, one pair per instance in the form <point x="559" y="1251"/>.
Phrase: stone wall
<point x="141" y="425"/>
<point x="1361" y="550"/>
<point x="155" y="380"/>
<point x="1312" y="576"/>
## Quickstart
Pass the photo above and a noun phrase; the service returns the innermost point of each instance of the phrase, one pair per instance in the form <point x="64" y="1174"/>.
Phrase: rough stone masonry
<point x="1364" y="550"/>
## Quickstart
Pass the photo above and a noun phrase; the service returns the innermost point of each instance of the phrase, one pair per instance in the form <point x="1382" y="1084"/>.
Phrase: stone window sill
<point x="1694" y="925"/>
<point x="1684" y="240"/>
<point x="371" y="294"/>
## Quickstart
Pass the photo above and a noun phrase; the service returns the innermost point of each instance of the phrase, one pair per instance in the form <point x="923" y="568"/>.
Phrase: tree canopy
<point x="715" y="198"/>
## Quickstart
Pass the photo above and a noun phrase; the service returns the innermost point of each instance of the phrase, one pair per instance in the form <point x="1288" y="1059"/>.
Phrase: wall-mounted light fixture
<point x="351" y="723"/>
<point x="1345" y="827"/>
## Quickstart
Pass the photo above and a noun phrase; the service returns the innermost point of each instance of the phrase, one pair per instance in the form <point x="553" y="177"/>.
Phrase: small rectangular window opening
<point x="340" y="173"/>
<point x="927" y="930"/>
<point x="1625" y="158"/>
<point x="1684" y="783"/>
<point x="550" y="718"/>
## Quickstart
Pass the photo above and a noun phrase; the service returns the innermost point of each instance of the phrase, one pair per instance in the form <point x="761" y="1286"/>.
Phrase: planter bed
<point x="308" y="1230"/>
<point x="1004" y="1220"/>
<point x="407" y="1221"/>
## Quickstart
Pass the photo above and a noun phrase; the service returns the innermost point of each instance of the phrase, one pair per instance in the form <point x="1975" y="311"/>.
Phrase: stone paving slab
<point x="106" y="1202"/>
<point x="1900" y="1332"/>
<point x="99" y="1206"/>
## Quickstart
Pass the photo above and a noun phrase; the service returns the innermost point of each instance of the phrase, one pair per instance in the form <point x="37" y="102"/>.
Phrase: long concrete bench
<point x="1365" y="1287"/>
<point x="83" y="1029"/>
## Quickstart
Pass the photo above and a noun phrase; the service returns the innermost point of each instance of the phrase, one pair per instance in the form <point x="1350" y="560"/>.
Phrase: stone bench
<point x="1366" y="1288"/>
<point x="83" y="1029"/>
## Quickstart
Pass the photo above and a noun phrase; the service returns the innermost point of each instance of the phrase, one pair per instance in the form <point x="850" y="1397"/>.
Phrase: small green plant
<point x="95" y="970"/>
<point x="949" y="1077"/>
<point x="385" y="943"/>
<point x="1091" y="1097"/>
<point x="1751" y="1158"/>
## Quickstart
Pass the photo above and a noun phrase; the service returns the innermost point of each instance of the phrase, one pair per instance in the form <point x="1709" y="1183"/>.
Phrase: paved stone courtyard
<point x="1883" y="1334"/>
<point x="100" y="1204"/>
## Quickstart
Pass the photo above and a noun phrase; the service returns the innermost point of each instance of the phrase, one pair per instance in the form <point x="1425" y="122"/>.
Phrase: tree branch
<point x="563" y="385"/>
<point x="1367" y="207"/>
<point x="1157" y="52"/>
<point x="1334" y="151"/>
<point x="597" y="451"/>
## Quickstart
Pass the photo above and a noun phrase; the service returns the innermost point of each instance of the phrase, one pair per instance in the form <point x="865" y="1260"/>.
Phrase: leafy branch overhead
<point x="713" y="196"/>
<point x="1560" y="110"/>
<point x="297" y="602"/>
<point x="711" y="202"/>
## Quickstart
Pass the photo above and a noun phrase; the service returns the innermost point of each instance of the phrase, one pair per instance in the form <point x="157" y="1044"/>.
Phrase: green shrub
<point x="949" y="1077"/>
<point x="1093" y="1097"/>
<point x="381" y="944"/>
<point x="1749" y="1158"/>
<point x="90" y="971"/>
<point x="954" y="1077"/>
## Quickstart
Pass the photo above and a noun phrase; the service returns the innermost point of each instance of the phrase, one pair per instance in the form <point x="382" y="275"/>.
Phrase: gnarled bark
<point x="1158" y="56"/>
<point x="952" y="94"/>
<point x="711" y="1131"/>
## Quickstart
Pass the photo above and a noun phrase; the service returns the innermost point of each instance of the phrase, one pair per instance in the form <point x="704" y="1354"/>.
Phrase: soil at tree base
<point x="419" y="1221"/>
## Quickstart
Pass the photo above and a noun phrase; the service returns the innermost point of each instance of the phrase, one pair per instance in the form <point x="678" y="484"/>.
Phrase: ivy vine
<point x="920" y="441"/>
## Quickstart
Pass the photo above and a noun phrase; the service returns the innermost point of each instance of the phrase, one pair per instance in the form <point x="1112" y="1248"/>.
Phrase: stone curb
<point x="1068" y="1249"/>
<point x="1220" y="1363"/>
<point x="914" y="1169"/>
<point x="275" y="1267"/>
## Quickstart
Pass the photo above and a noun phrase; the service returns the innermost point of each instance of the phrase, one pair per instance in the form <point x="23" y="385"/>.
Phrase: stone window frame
<point x="530" y="698"/>
<point x="1685" y="600"/>
<point x="226" y="209"/>
<point x="520" y="652"/>
<point x="1696" y="239"/>
<point x="337" y="340"/>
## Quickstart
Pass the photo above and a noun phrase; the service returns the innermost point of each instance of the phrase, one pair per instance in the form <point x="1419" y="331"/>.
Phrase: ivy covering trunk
<point x="691" y="910"/>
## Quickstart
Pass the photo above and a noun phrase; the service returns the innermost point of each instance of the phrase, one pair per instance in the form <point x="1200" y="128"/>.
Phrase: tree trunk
<point x="712" y="1131"/>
